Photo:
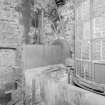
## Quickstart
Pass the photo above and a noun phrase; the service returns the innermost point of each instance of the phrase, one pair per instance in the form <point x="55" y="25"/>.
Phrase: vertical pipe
<point x="101" y="50"/>
<point x="69" y="79"/>
<point x="42" y="15"/>
<point x="39" y="28"/>
<point x="33" y="92"/>
<point x="82" y="41"/>
<point x="23" y="91"/>
<point x="91" y="32"/>
<point x="75" y="32"/>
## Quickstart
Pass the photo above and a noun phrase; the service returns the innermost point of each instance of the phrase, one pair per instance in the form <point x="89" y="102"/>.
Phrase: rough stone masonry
<point x="11" y="32"/>
<point x="11" y="35"/>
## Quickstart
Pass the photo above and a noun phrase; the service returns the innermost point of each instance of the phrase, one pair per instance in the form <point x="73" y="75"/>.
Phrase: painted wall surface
<point x="100" y="73"/>
<point x="42" y="55"/>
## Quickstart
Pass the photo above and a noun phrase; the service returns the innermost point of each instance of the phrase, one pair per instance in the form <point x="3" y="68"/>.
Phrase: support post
<point x="33" y="92"/>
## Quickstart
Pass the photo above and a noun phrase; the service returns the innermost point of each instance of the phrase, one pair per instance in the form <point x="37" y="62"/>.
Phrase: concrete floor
<point x="54" y="92"/>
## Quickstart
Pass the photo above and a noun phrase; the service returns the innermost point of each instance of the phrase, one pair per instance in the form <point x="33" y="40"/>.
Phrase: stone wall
<point x="15" y="26"/>
<point x="11" y="33"/>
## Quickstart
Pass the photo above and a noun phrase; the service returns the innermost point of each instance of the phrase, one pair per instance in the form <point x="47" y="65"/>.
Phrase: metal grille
<point x="89" y="38"/>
